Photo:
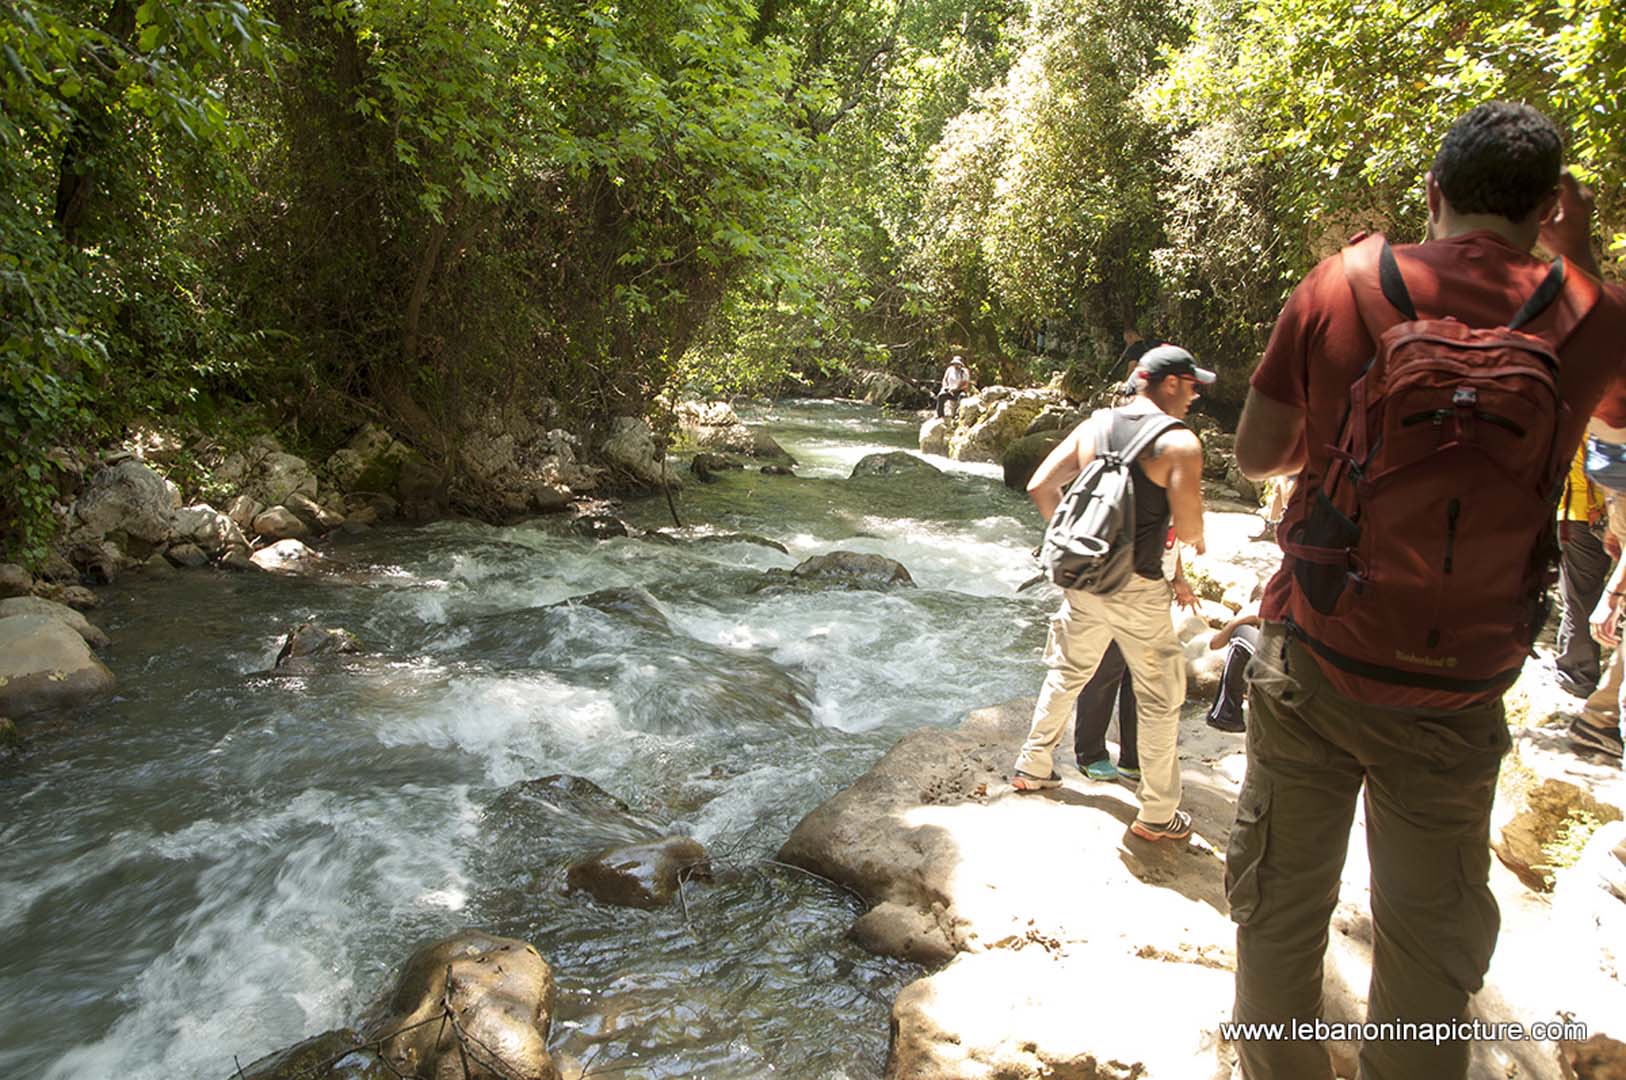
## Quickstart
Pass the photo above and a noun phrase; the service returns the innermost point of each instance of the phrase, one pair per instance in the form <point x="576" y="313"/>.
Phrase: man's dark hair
<point x="1500" y="158"/>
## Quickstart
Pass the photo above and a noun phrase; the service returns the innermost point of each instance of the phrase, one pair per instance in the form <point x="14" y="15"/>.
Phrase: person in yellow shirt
<point x="1581" y="575"/>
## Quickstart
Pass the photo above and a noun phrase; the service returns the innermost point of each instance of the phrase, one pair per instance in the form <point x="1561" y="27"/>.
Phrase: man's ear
<point x="1545" y="208"/>
<point x="1436" y="198"/>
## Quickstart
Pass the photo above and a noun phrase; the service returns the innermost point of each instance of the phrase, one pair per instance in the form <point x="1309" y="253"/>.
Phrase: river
<point x="220" y="861"/>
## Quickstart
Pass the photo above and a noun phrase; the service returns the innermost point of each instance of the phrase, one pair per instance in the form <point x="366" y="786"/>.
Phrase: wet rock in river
<point x="934" y="436"/>
<point x="45" y="665"/>
<point x="894" y="463"/>
<point x="706" y="466"/>
<point x="497" y="995"/>
<point x="848" y="570"/>
<point x="332" y="1055"/>
<point x="36" y="605"/>
<point x="129" y="501"/>
<point x="285" y="556"/>
<point x="308" y="640"/>
<point x="641" y="875"/>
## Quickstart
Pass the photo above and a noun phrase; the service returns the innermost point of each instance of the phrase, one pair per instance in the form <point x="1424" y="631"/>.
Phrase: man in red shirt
<point x="1314" y="737"/>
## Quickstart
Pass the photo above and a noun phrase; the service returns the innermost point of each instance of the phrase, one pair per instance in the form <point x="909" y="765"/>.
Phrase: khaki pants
<point x="1603" y="708"/>
<point x="1137" y="618"/>
<point x="1429" y="781"/>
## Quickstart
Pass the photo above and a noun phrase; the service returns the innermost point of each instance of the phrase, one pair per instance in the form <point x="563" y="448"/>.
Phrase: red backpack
<point x="1421" y="562"/>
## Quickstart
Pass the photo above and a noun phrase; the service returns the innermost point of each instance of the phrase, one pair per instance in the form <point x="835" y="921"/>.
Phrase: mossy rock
<point x="1022" y="458"/>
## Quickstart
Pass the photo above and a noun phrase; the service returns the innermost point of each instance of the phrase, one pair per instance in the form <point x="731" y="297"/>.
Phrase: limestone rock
<point x="1204" y="672"/>
<point x="853" y="569"/>
<point x="316" y="517"/>
<point x="1059" y="1016"/>
<point x="1536" y="803"/>
<point x="776" y="470"/>
<point x="934" y="436"/>
<point x="1589" y="902"/>
<point x="370" y="462"/>
<point x="187" y="556"/>
<point x="892" y="929"/>
<point x="243" y="510"/>
<point x="1219" y="455"/>
<point x="308" y="640"/>
<point x="78" y="597"/>
<point x="35" y="605"/>
<point x="646" y="875"/>
<point x="884" y="388"/>
<point x="1001" y="416"/>
<point x="102" y="561"/>
<point x="1599" y="1058"/>
<point x="46" y="665"/>
<point x="893" y="463"/>
<point x="209" y="529"/>
<point x="1244" y="487"/>
<point x="705" y="466"/>
<point x="333" y="1055"/>
<point x="1023" y="457"/>
<point x="280" y="523"/>
<point x="129" y="500"/>
<point x="629" y="448"/>
<point x="14" y="580"/>
<point x="716" y="427"/>
<point x="420" y="482"/>
<point x="500" y="990"/>
<point x="277" y="475"/>
<point x="285" y="556"/>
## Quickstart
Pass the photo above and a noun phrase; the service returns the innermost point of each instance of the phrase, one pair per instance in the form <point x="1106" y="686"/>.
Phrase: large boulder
<point x="129" y="502"/>
<point x="1542" y="796"/>
<point x="853" y="569"/>
<point x="884" y="388"/>
<point x="280" y="523"/>
<point x="46" y="666"/>
<point x="646" y="875"/>
<point x="934" y="436"/>
<point x="332" y="1055"/>
<point x="496" y="995"/>
<point x="1022" y="457"/>
<point x="628" y="447"/>
<point x="266" y="473"/>
<point x="714" y="426"/>
<point x="308" y="640"/>
<point x="14" y="580"/>
<point x="512" y="463"/>
<point x="893" y="463"/>
<point x="286" y="557"/>
<point x="212" y="531"/>
<point x="62" y="613"/>
<point x="371" y="462"/>
<point x="998" y="417"/>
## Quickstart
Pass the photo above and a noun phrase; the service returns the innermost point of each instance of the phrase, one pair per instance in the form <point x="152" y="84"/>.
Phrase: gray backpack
<point x="1090" y="543"/>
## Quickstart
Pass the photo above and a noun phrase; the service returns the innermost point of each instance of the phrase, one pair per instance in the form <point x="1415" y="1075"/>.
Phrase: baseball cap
<point x="1172" y="360"/>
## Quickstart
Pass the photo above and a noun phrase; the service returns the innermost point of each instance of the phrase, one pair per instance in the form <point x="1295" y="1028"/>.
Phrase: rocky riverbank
<point x="1061" y="945"/>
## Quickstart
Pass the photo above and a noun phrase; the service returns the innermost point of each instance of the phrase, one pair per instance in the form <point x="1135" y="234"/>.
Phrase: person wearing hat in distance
<point x="956" y="381"/>
<point x="1168" y="488"/>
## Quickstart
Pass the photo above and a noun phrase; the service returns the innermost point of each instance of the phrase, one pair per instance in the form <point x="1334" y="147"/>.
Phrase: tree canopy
<point x="323" y="210"/>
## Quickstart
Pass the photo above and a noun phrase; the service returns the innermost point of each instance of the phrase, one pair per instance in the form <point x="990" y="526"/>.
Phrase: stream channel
<point x="221" y="861"/>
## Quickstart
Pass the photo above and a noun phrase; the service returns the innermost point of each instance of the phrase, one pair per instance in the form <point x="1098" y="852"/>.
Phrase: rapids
<point x="221" y="861"/>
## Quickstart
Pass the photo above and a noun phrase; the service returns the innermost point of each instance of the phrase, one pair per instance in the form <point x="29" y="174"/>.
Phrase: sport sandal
<point x="1022" y="781"/>
<point x="1176" y="828"/>
<point x="1595" y="739"/>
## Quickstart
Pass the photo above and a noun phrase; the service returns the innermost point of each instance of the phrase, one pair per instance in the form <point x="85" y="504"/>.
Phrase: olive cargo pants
<point x="1429" y="781"/>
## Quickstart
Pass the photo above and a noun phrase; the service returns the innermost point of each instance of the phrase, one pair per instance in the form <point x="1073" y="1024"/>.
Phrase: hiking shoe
<point x="1099" y="770"/>
<point x="1128" y="772"/>
<point x="1021" y="781"/>
<point x="1235" y="725"/>
<point x="1591" y="737"/>
<point x="1176" y="828"/>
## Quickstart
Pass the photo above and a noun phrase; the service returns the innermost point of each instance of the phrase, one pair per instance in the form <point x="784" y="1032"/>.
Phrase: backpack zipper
<point x="1453" y="510"/>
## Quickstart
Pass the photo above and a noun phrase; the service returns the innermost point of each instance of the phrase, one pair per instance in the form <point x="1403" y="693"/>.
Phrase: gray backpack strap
<point x="1147" y="435"/>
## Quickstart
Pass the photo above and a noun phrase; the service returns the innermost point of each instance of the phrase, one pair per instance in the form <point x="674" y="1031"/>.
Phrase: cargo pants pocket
<point x="1250" y="837"/>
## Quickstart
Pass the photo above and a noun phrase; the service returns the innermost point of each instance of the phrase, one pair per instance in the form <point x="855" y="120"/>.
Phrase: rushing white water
<point x="220" y="861"/>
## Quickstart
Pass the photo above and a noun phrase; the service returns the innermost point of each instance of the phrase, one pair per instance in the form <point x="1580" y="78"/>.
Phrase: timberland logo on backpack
<point x="1422" y="553"/>
<point x="1425" y="661"/>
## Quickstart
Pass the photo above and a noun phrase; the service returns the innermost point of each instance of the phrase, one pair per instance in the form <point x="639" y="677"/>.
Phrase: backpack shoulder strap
<point x="1379" y="288"/>
<point x="1563" y="299"/>
<point x="1148" y="434"/>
